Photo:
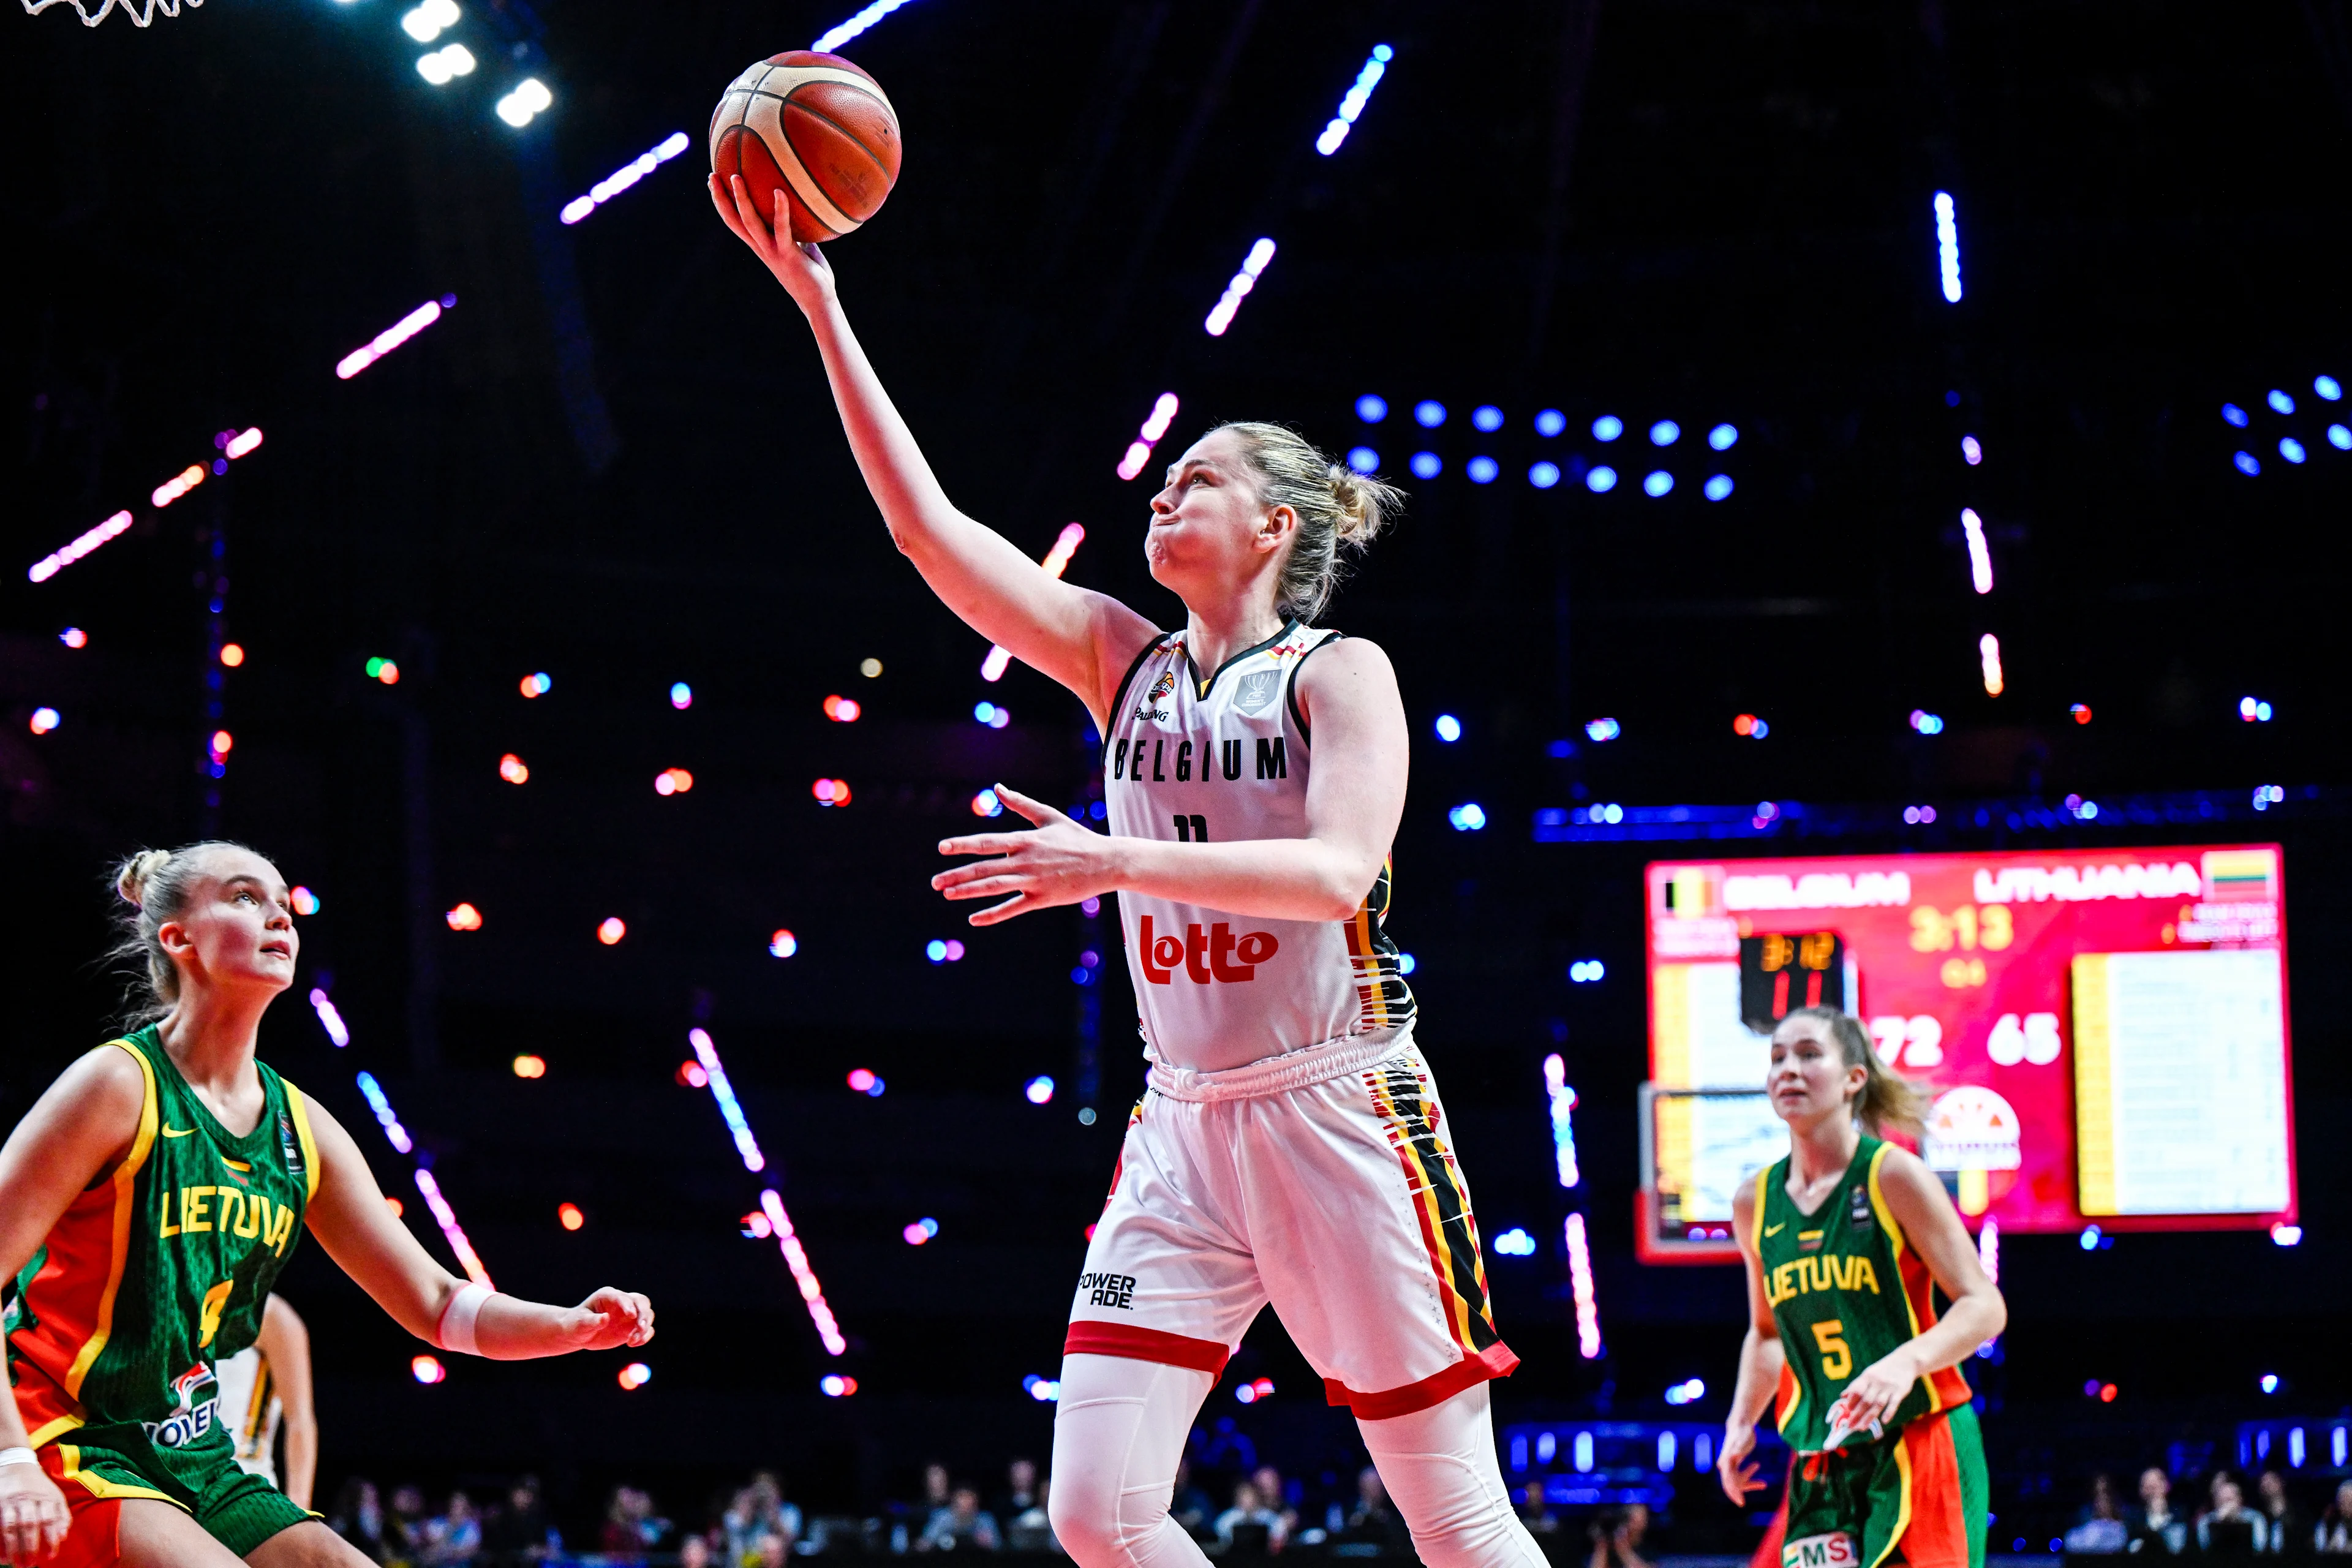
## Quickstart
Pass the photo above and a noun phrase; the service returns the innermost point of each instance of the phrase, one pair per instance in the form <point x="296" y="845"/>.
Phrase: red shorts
<point x="96" y="1539"/>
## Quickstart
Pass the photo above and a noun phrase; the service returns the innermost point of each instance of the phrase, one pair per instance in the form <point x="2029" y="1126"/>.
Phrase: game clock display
<point x="2102" y="1035"/>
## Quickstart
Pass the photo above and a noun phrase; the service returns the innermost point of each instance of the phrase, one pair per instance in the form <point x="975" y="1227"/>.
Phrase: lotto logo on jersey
<point x="1834" y="1549"/>
<point x="189" y="1420"/>
<point x="1203" y="955"/>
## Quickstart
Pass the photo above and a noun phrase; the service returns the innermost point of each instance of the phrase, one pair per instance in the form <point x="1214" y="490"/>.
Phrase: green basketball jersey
<point x="1846" y="1288"/>
<point x="159" y="1270"/>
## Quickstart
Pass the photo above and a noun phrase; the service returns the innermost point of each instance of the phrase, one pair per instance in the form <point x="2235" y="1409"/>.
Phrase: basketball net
<point x="141" y="12"/>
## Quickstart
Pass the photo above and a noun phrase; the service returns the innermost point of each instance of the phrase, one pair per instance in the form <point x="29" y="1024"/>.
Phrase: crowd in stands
<point x="2224" y="1522"/>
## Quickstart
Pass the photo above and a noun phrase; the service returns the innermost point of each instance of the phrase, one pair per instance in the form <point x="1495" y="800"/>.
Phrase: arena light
<point x="1563" y="1133"/>
<point x="1588" y="1310"/>
<point x="2079" y="711"/>
<point x="1927" y="724"/>
<point x="1487" y="417"/>
<point x="831" y="792"/>
<point x="1371" y="408"/>
<point x="1468" y="818"/>
<point x="430" y="20"/>
<point x="1044" y="1390"/>
<point x="1429" y="413"/>
<point x="2280" y="402"/>
<point x="729" y="1109"/>
<point x="1482" y="471"/>
<point x="681" y="695"/>
<point x="1947" y="246"/>
<point x="1516" y="1243"/>
<point x="1363" y="460"/>
<point x="1549" y="422"/>
<point x="1717" y="487"/>
<point x="2253" y="710"/>
<point x="1602" y="480"/>
<point x="1253" y="265"/>
<point x="1658" y="483"/>
<point x="446" y="64"/>
<point x="1449" y="728"/>
<point x="1600" y="730"/>
<point x="783" y="945"/>
<point x="74" y="637"/>
<point x="1427" y="465"/>
<point x="528" y="98"/>
<point x="985" y="803"/>
<point x="1155" y="426"/>
<point x="2233" y="415"/>
<point x="1979" y="555"/>
<point x="1665" y="433"/>
<point x="44" y="720"/>
<point x="538" y="685"/>
<point x="672" y="781"/>
<point x="634" y="1375"/>
<point x="427" y="1369"/>
<point x="306" y="903"/>
<point x="2291" y="450"/>
<point x="1607" y="428"/>
<point x="1989" y="1249"/>
<point x="2328" y="387"/>
<point x="244" y="441"/>
<point x="527" y="1065"/>
<point x="178" y="485"/>
<point x="1351" y="107"/>
<point x="1723" y="437"/>
<point x="835" y="1386"/>
<point x="1587" y="972"/>
<point x="1056" y="562"/>
<point x="919" y="1232"/>
<point x="627" y="174"/>
<point x="1038" y="1090"/>
<point x="393" y="336"/>
<point x="1989" y="655"/>
<point x="796" y="1259"/>
<point x="513" y="769"/>
<point x="320" y="1002"/>
<point x="451" y="1231"/>
<point x="394" y="1133"/>
<point x="831" y="38"/>
<point x="463" y="917"/>
<point x="1972" y="450"/>
<point x="1543" y="475"/>
<point x="610" y="929"/>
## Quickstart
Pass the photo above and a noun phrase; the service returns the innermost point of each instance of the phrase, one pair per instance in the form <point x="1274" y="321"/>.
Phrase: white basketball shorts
<point x="1322" y="1181"/>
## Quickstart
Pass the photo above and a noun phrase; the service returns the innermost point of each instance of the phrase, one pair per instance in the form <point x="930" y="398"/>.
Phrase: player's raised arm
<point x="1081" y="639"/>
<point x="353" y="1222"/>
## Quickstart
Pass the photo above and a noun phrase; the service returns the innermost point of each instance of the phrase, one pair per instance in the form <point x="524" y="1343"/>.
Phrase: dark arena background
<point x="1831" y="430"/>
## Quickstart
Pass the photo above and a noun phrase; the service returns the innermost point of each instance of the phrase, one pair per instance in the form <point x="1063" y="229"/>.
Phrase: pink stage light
<point x="1163" y="414"/>
<point x="1253" y="266"/>
<point x="451" y="1230"/>
<point x="393" y="336"/>
<point x="796" y="1259"/>
<point x="1579" y="1276"/>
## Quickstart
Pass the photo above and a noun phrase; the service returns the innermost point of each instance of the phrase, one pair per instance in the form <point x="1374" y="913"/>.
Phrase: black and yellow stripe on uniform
<point x="1384" y="999"/>
<point x="1449" y="1231"/>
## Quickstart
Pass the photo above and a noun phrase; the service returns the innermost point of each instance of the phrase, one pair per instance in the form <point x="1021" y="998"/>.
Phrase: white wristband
<point x="18" y="1457"/>
<point x="457" y="1319"/>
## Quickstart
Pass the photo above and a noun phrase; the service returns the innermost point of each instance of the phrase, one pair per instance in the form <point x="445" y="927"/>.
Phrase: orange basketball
<point x="815" y="127"/>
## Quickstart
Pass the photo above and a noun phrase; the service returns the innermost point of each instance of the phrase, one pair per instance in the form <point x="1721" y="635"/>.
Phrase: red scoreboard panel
<point x="2103" y="1033"/>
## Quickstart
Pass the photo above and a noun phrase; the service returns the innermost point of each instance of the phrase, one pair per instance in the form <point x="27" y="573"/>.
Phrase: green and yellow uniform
<point x="1847" y="1289"/>
<point x="153" y="1274"/>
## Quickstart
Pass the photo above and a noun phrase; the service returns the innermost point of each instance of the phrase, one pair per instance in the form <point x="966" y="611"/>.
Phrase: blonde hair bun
<point x="1337" y="509"/>
<point x="130" y="879"/>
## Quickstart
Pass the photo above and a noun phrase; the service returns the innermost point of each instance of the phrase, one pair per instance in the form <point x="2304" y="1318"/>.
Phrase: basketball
<point x="814" y="126"/>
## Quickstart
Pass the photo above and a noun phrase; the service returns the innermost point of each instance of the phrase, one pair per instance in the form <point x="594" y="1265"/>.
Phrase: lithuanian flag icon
<point x="2241" y="876"/>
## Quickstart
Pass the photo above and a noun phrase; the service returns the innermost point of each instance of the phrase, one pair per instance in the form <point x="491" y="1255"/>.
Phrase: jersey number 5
<point x="1837" y="1357"/>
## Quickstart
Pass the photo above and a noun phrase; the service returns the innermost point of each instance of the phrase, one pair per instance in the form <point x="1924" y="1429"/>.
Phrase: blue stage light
<point x="2247" y="464"/>
<point x="1719" y="486"/>
<point x="1449" y="728"/>
<point x="2291" y="450"/>
<point x="1516" y="1243"/>
<point x="2280" y="402"/>
<point x="1586" y="971"/>
<point x="1429" y="413"/>
<point x="1658" y="483"/>
<point x="1406" y="963"/>
<point x="1468" y="818"/>
<point x="1363" y="460"/>
<point x="2328" y="387"/>
<point x="1947" y="246"/>
<point x="1427" y="465"/>
<point x="1600" y="480"/>
<point x="1482" y="471"/>
<point x="1607" y="428"/>
<point x="1665" y="433"/>
<point x="1927" y="724"/>
<point x="1371" y="408"/>
<point x="2339" y="438"/>
<point x="1723" y="437"/>
<point x="2233" y="415"/>
<point x="1550" y="422"/>
<point x="1488" y="417"/>
<point x="1603" y="730"/>
<point x="1352" y="105"/>
<point x="1543" y="476"/>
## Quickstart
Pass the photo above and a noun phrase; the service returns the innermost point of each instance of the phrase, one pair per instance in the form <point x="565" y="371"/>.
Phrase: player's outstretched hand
<point x="1735" y="1467"/>
<point x="611" y="1318"/>
<point x="33" y="1516"/>
<point x="803" y="269"/>
<point x="1059" y="863"/>
<point x="1871" y="1398"/>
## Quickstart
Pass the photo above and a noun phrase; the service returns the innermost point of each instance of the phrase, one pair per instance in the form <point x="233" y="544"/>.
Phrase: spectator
<point x="631" y="1528"/>
<point x="758" y="1513"/>
<point x="454" y="1539"/>
<point x="962" y="1523"/>
<point x="1374" y="1520"/>
<point x="938" y="1497"/>
<point x="1240" y="1524"/>
<point x="2334" y="1535"/>
<point x="2229" y="1529"/>
<point x="518" y="1533"/>
<point x="1020" y="1494"/>
<point x="1534" y="1510"/>
<point x="405" y="1532"/>
<point x="358" y="1518"/>
<point x="1190" y="1506"/>
<point x="1616" y="1535"/>
<point x="1032" y="1529"/>
<point x="1276" y="1495"/>
<point x="694" y="1551"/>
<point x="2099" y="1527"/>
<point x="2284" y="1530"/>
<point x="2153" y="1526"/>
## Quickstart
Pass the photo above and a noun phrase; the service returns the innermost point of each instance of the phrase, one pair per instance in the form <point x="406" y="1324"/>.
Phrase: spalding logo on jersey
<point x="1203" y="955"/>
<point x="190" y="1420"/>
<point x="1150" y="707"/>
<point x="1258" y="692"/>
<point x="1834" y="1549"/>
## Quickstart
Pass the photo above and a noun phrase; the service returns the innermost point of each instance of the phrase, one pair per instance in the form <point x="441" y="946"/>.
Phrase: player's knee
<point x="1084" y="1511"/>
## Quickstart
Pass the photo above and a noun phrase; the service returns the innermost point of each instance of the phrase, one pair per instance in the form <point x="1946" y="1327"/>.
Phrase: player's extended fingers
<point x="971" y="871"/>
<point x="983" y="844"/>
<point x="997" y="914"/>
<point x="726" y="208"/>
<point x="1036" y="810"/>
<point x="755" y="230"/>
<point x="987" y="887"/>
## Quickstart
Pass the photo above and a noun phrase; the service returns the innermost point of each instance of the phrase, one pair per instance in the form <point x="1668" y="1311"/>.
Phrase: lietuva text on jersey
<point x="1222" y="758"/>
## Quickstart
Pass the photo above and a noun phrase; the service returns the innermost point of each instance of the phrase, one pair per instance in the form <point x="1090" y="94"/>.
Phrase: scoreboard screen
<point x="2102" y="1034"/>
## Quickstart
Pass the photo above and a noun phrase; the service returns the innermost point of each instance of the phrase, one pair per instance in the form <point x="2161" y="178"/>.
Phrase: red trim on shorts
<point x="95" y="1537"/>
<point x="1494" y="1361"/>
<point x="1937" y="1535"/>
<point x="1091" y="1336"/>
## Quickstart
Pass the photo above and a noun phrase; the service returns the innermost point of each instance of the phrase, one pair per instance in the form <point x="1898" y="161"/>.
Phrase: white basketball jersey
<point x="249" y="1403"/>
<point x="1218" y="760"/>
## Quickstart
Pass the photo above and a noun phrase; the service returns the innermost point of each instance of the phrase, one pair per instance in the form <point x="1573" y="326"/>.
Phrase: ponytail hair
<point x="1338" y="510"/>
<point x="1885" y="1102"/>
<point x="154" y="885"/>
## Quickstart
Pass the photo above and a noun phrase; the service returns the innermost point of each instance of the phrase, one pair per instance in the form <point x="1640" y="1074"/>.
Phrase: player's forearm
<point x="1968" y="1322"/>
<point x="1273" y="879"/>
<point x="912" y="501"/>
<point x="1760" y="1373"/>
<point x="510" y="1328"/>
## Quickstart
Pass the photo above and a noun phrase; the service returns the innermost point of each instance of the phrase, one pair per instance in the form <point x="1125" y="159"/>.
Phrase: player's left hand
<point x="1059" y="863"/>
<point x="611" y="1318"/>
<point x="1876" y="1390"/>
